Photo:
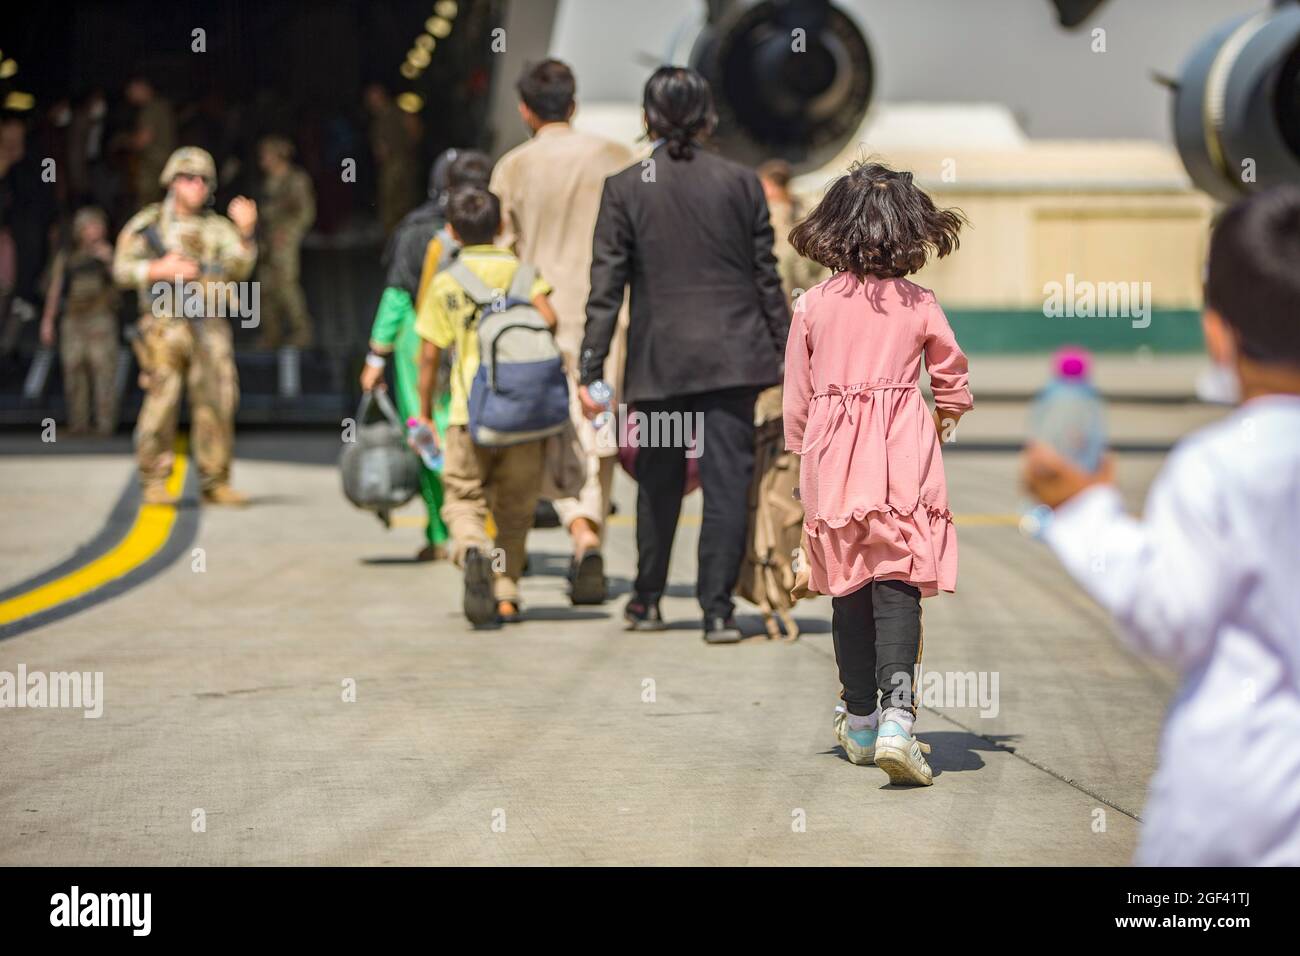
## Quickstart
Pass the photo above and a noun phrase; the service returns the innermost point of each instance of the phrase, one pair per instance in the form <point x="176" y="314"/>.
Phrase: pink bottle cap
<point x="1072" y="362"/>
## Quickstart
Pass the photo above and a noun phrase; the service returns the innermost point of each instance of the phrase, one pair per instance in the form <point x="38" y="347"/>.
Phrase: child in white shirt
<point x="1209" y="579"/>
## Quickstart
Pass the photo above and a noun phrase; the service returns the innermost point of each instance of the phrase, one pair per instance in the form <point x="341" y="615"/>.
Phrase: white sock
<point x="868" y="722"/>
<point x="903" y="718"/>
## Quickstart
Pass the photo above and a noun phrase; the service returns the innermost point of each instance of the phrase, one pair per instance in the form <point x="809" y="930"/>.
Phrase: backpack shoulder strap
<point x="474" y="287"/>
<point x="521" y="286"/>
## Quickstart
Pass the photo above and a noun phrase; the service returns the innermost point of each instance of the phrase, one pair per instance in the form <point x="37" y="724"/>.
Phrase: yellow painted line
<point x="987" y="520"/>
<point x="148" y="534"/>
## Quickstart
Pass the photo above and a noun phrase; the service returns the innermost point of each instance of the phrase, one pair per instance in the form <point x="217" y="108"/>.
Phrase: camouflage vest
<point x="88" y="288"/>
<point x="197" y="237"/>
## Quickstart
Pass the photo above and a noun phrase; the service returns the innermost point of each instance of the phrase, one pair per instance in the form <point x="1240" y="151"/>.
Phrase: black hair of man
<point x="475" y="214"/>
<point x="548" y="88"/>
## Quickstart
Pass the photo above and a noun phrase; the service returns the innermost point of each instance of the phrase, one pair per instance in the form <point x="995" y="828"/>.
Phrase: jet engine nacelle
<point x="790" y="78"/>
<point x="1237" y="105"/>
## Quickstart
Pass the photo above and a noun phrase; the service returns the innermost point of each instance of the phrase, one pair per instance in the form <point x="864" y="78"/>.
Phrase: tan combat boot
<point x="224" y="495"/>
<point x="156" y="493"/>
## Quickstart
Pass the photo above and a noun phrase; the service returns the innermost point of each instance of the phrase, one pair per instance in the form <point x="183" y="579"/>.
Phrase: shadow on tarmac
<point x="951" y="751"/>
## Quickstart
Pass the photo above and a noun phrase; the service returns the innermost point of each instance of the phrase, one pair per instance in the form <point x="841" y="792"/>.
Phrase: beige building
<point x="1104" y="212"/>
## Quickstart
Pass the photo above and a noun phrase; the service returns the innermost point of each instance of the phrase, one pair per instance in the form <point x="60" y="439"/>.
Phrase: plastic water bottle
<point x="602" y="395"/>
<point x="1069" y="414"/>
<point x="421" y="436"/>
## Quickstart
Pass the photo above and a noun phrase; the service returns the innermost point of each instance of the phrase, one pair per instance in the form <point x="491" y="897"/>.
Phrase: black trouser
<point x="726" y="460"/>
<point x="877" y="631"/>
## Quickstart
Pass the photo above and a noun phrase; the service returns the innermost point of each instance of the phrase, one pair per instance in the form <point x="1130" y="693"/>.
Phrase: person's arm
<point x="949" y="373"/>
<point x="240" y="253"/>
<point x="53" y="299"/>
<point x="500" y="186"/>
<point x="771" y="293"/>
<point x="433" y="325"/>
<point x="797" y="394"/>
<point x="393" y="311"/>
<point x="306" y="211"/>
<point x="132" y="258"/>
<point x="611" y="264"/>
<point x="542" y="303"/>
<point x="430" y="355"/>
<point x="1167" y="579"/>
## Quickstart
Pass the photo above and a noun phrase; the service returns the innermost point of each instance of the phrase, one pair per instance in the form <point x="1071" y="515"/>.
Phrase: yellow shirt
<point x="445" y="317"/>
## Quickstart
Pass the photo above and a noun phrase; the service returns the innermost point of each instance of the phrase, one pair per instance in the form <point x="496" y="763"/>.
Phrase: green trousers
<point x="394" y="330"/>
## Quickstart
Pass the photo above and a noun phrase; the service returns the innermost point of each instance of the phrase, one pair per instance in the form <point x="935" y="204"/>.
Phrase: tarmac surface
<point x="559" y="740"/>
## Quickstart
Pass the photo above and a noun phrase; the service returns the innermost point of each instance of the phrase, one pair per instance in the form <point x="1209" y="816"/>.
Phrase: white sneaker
<point x="859" y="745"/>
<point x="900" y="755"/>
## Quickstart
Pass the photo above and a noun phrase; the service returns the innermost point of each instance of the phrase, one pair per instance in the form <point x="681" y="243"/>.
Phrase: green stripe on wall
<point x="1026" y="330"/>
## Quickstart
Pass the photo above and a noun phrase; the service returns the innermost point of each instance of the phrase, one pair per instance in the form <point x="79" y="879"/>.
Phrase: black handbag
<point x="380" y="471"/>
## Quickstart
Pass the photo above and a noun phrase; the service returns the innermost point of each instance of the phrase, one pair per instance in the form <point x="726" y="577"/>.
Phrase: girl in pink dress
<point x="878" y="535"/>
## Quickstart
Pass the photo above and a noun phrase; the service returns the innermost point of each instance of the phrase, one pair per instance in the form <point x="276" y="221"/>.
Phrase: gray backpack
<point x="380" y="472"/>
<point x="520" y="392"/>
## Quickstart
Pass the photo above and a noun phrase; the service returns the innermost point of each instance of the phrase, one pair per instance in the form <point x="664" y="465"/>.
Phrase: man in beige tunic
<point x="550" y="190"/>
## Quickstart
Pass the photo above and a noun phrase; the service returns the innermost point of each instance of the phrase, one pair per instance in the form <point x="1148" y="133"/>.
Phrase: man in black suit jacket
<point x="689" y="232"/>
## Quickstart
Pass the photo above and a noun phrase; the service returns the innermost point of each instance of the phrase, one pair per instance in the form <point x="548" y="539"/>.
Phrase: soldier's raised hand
<point x="243" y="213"/>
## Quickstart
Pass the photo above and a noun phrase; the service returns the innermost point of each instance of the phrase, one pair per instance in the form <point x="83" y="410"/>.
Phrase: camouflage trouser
<point x="282" y="302"/>
<point x="196" y="353"/>
<point x="88" y="350"/>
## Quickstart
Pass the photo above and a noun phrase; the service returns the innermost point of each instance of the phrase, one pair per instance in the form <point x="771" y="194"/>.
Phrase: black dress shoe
<point x="587" y="579"/>
<point x="643" y="615"/>
<point x="720" y="630"/>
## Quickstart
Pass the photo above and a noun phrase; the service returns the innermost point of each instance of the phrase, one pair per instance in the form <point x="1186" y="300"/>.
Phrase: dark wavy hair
<point x="679" y="108"/>
<point x="875" y="222"/>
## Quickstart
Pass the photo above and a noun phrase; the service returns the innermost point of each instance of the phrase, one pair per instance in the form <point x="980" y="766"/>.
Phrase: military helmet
<point x="192" y="160"/>
<point x="281" y="146"/>
<point x="88" y="214"/>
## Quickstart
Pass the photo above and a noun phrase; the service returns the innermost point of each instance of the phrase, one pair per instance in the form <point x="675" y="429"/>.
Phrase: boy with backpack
<point x="490" y="307"/>
<point x="415" y="253"/>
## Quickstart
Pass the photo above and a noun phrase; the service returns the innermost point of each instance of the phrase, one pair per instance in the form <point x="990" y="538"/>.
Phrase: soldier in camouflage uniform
<point x="81" y="286"/>
<point x="180" y="241"/>
<point x="153" y="138"/>
<point x="394" y="153"/>
<point x="286" y="211"/>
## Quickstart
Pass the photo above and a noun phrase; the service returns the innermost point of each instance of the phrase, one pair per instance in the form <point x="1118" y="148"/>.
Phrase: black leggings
<point x="877" y="631"/>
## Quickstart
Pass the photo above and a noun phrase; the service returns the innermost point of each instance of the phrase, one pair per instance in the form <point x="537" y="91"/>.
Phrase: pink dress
<point x="871" y="473"/>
